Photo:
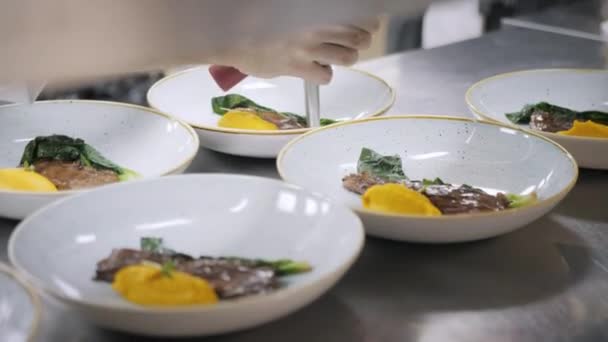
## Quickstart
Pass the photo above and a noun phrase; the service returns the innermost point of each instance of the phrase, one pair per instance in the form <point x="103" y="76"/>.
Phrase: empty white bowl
<point x="187" y="95"/>
<point x="216" y="215"/>
<point x="577" y="89"/>
<point x="138" y="138"/>
<point x="458" y="150"/>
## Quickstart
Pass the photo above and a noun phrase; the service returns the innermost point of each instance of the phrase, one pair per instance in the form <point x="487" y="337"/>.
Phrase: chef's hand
<point x="306" y="55"/>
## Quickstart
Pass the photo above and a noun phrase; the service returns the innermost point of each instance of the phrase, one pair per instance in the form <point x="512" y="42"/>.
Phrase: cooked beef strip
<point x="360" y="182"/>
<point x="281" y="121"/>
<point x="73" y="175"/>
<point x="452" y="199"/>
<point x="546" y="122"/>
<point x="230" y="278"/>
<point x="449" y="199"/>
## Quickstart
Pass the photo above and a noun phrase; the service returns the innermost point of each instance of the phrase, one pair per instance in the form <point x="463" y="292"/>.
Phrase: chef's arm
<point x="67" y="39"/>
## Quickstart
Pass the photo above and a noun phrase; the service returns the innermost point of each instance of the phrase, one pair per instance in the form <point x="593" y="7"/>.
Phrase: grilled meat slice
<point x="360" y="182"/>
<point x="544" y="121"/>
<point x="73" y="175"/>
<point x="452" y="199"/>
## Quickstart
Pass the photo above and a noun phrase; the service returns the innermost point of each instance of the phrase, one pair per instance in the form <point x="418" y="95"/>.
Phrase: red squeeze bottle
<point x="226" y="77"/>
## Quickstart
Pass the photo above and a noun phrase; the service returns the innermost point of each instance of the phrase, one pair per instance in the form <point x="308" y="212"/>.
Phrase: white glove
<point x="306" y="55"/>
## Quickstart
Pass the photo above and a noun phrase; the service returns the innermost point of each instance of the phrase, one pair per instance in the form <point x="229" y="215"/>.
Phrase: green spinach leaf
<point x="386" y="167"/>
<point x="222" y="104"/>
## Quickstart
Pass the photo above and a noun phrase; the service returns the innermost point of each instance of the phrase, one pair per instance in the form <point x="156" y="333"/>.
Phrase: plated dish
<point x="155" y="275"/>
<point x="569" y="106"/>
<point x="50" y="149"/>
<point x="273" y="109"/>
<point x="546" y="117"/>
<point x="384" y="187"/>
<point x="58" y="162"/>
<point x="239" y="112"/>
<point x="432" y="179"/>
<point x="204" y="254"/>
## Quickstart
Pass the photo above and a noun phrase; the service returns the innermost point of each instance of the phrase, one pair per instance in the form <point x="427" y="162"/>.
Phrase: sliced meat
<point x="452" y="199"/>
<point x="73" y="175"/>
<point x="283" y="122"/>
<point x="230" y="278"/>
<point x="547" y="122"/>
<point x="360" y="182"/>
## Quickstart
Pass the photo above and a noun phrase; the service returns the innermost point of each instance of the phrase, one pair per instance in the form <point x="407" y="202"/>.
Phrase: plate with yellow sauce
<point x="432" y="179"/>
<point x="53" y="149"/>
<point x="259" y="116"/>
<point x="569" y="106"/>
<point x="187" y="255"/>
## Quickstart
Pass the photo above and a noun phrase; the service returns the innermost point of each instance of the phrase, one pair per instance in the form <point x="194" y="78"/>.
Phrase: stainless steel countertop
<point x="581" y="20"/>
<point x="546" y="282"/>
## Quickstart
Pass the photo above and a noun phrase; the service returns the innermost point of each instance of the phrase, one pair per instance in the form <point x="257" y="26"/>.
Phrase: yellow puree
<point x="245" y="120"/>
<point x="587" y="129"/>
<point x="24" y="180"/>
<point x="147" y="285"/>
<point x="398" y="199"/>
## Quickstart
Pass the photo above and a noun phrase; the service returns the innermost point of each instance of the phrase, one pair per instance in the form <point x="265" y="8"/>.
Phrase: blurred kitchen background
<point x="443" y="23"/>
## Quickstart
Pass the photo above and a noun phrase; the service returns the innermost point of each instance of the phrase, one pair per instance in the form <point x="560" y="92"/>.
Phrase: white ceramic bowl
<point x="577" y="89"/>
<point x="134" y="137"/>
<point x="458" y="150"/>
<point x="20" y="307"/>
<point x="218" y="215"/>
<point x="187" y="95"/>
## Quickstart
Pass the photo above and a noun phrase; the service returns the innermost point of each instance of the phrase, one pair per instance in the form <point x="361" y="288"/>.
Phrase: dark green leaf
<point x="327" y="122"/>
<point x="222" y="104"/>
<point x="168" y="268"/>
<point x="54" y="147"/>
<point x="386" y="167"/>
<point x="436" y="181"/>
<point x="97" y="160"/>
<point x="595" y="116"/>
<point x="523" y="116"/>
<point x="518" y="201"/>
<point x="151" y="244"/>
